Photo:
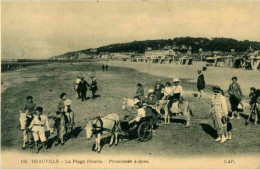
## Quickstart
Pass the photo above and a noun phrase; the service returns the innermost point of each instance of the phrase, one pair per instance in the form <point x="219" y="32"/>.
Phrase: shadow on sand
<point x="209" y="130"/>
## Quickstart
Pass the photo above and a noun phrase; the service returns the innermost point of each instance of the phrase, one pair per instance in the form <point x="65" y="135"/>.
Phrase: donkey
<point x="104" y="125"/>
<point x="24" y="122"/>
<point x="179" y="107"/>
<point x="59" y="124"/>
<point x="129" y="103"/>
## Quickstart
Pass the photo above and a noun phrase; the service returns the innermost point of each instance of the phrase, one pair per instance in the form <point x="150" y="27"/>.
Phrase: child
<point x="93" y="87"/>
<point x="252" y="102"/>
<point x="37" y="127"/>
<point x="61" y="105"/>
<point x="30" y="106"/>
<point x="167" y="91"/>
<point x="140" y="114"/>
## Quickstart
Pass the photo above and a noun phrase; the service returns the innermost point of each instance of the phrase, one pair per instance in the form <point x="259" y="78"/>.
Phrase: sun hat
<point x="176" y="80"/>
<point x="67" y="102"/>
<point x="150" y="91"/>
<point x="216" y="89"/>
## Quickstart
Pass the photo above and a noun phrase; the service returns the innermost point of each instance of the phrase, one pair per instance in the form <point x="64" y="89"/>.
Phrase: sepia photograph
<point x="130" y="84"/>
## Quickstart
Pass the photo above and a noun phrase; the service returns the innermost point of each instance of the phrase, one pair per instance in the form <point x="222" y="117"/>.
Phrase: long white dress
<point x="218" y="110"/>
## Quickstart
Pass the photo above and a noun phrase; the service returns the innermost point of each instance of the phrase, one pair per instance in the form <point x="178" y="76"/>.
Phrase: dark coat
<point x="139" y="92"/>
<point x="158" y="90"/>
<point x="94" y="86"/>
<point x="83" y="86"/>
<point x="201" y="82"/>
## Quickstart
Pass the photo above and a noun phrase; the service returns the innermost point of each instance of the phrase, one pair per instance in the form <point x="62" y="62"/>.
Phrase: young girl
<point x="37" y="127"/>
<point x="167" y="91"/>
<point x="219" y="114"/>
<point x="167" y="94"/>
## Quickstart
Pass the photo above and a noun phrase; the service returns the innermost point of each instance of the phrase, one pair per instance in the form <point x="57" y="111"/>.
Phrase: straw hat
<point x="67" y="102"/>
<point x="150" y="91"/>
<point x="176" y="80"/>
<point x="216" y="89"/>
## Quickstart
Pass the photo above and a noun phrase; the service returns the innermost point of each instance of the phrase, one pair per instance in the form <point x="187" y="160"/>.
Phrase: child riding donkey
<point x="26" y="116"/>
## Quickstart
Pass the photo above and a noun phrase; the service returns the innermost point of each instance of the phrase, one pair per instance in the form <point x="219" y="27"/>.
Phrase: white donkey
<point x="24" y="123"/>
<point x="104" y="125"/>
<point x="129" y="103"/>
<point x="179" y="107"/>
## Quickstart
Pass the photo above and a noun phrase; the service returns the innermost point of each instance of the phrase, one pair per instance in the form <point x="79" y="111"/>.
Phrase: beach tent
<point x="219" y="61"/>
<point x="255" y="62"/>
<point x="238" y="62"/>
<point x="211" y="60"/>
<point x="228" y="61"/>
<point x="185" y="61"/>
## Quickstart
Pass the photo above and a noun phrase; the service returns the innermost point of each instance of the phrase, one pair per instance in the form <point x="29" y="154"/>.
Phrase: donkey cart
<point x="142" y="129"/>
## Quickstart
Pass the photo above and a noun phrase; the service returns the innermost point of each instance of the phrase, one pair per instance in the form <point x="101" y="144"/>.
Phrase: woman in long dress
<point x="219" y="112"/>
<point x="235" y="98"/>
<point x="200" y="83"/>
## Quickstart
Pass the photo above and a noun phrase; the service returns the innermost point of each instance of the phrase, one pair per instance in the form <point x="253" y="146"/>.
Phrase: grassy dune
<point x="46" y="82"/>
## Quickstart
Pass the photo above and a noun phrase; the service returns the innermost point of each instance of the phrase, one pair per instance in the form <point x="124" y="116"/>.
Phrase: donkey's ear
<point x="26" y="112"/>
<point x="21" y="112"/>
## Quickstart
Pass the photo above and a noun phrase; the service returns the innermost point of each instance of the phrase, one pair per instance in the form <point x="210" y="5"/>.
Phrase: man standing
<point x="106" y="67"/>
<point x="158" y="89"/>
<point x="200" y="83"/>
<point x="235" y="96"/>
<point x="83" y="88"/>
<point x="103" y="67"/>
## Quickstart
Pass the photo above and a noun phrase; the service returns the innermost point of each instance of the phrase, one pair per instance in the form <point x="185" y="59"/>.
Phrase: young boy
<point x="30" y="106"/>
<point x="252" y="102"/>
<point x="140" y="114"/>
<point x="37" y="127"/>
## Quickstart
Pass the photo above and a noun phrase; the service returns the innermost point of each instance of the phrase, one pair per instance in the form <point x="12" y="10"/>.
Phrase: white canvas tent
<point x="216" y="61"/>
<point x="255" y="62"/>
<point x="185" y="61"/>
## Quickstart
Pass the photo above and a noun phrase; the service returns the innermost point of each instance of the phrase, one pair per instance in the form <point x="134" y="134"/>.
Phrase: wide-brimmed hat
<point x="150" y="91"/>
<point x="67" y="102"/>
<point x="158" y="80"/>
<point x="29" y="97"/>
<point x="216" y="89"/>
<point x="176" y="80"/>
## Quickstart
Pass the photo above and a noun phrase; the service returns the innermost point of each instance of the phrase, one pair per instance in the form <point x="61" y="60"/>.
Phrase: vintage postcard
<point x="130" y="84"/>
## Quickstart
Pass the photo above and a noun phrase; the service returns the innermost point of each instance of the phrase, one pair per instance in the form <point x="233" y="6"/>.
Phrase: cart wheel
<point x="145" y="132"/>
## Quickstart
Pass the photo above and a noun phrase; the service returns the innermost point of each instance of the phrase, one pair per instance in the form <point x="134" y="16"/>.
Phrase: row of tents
<point x="182" y="61"/>
<point x="234" y="62"/>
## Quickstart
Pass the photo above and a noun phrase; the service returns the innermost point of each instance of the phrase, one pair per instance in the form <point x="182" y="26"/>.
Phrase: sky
<point x="44" y="29"/>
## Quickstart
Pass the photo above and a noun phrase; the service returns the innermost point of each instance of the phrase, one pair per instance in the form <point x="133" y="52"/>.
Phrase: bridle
<point x="97" y="129"/>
